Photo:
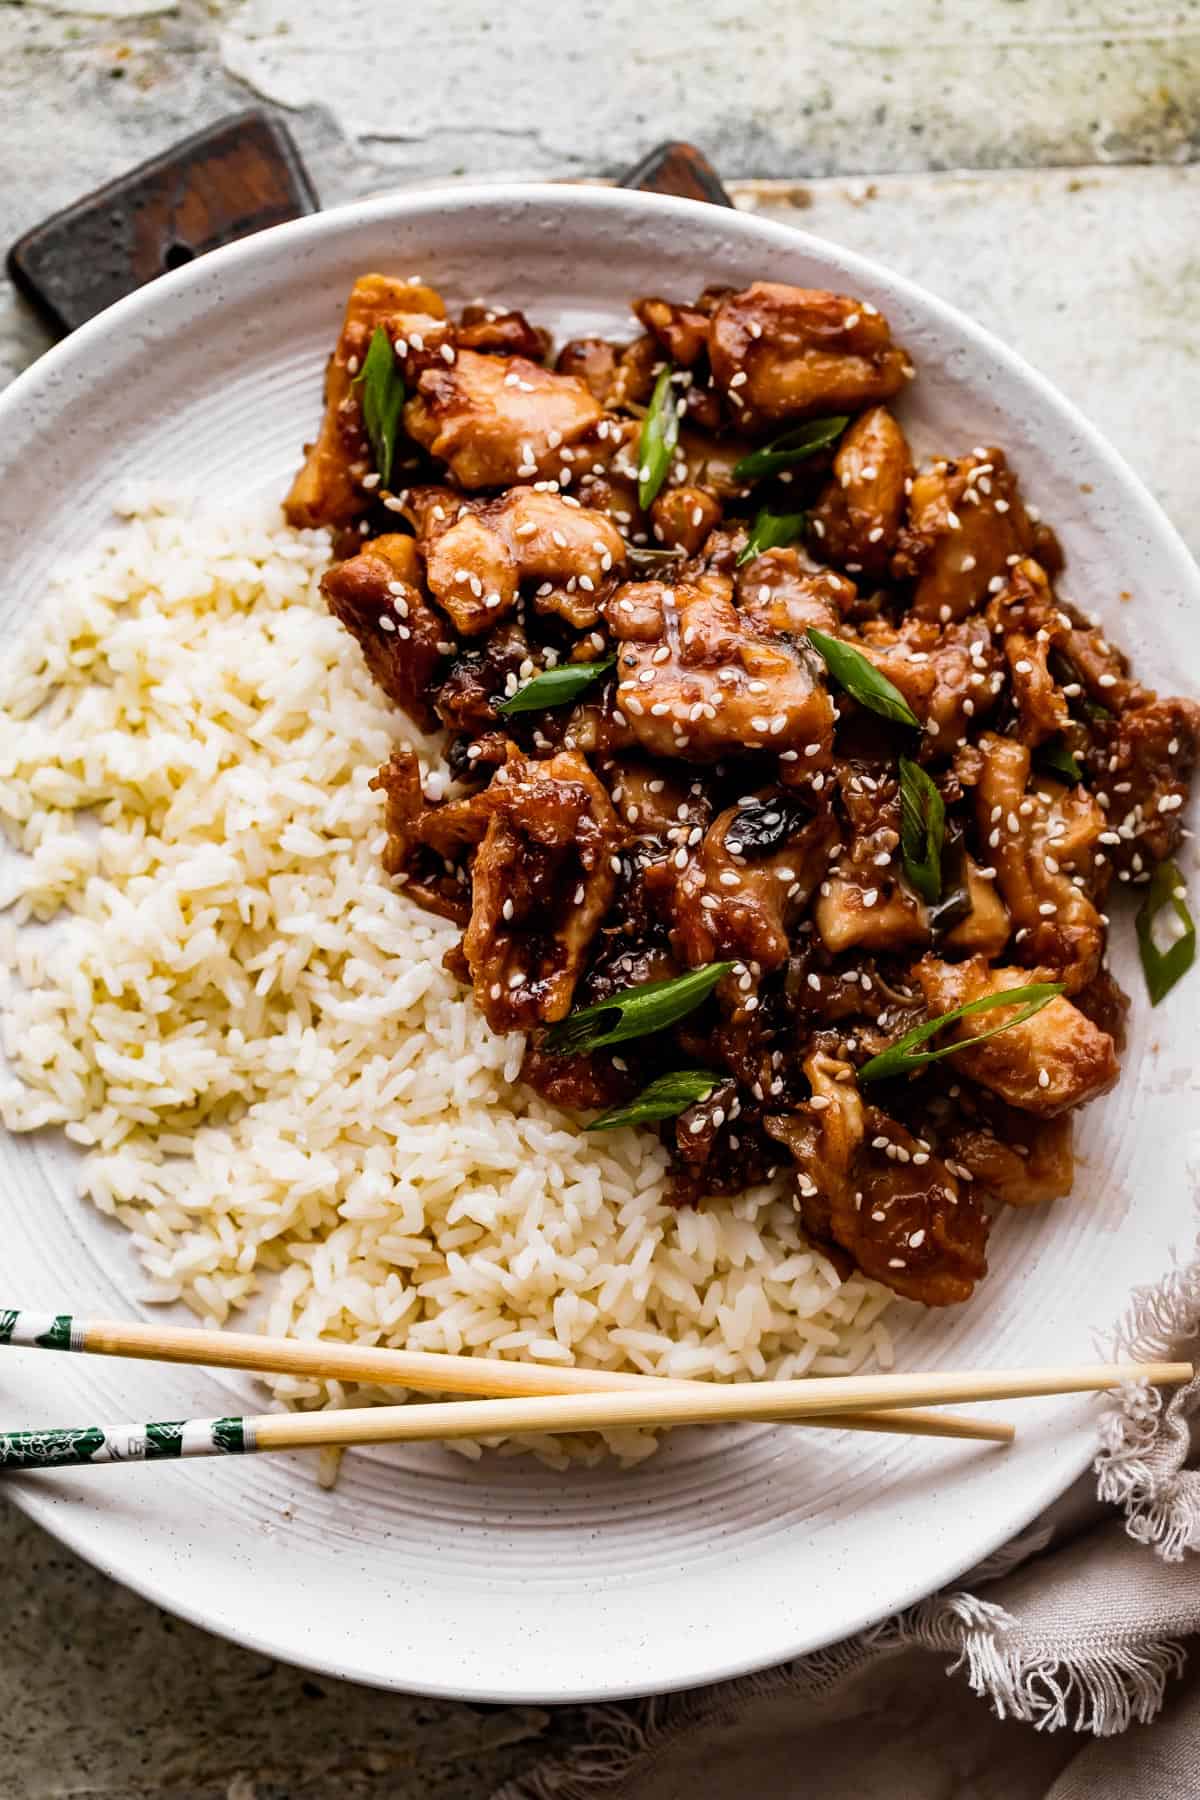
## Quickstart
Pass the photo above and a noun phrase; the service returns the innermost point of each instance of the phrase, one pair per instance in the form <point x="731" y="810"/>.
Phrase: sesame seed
<point x="1043" y="1078"/>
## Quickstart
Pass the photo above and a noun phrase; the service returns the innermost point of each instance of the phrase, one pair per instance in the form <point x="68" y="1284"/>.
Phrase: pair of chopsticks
<point x="521" y="1397"/>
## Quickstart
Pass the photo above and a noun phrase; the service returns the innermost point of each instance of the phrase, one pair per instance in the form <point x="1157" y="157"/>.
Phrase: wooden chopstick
<point x="682" y="1405"/>
<point x="424" y="1371"/>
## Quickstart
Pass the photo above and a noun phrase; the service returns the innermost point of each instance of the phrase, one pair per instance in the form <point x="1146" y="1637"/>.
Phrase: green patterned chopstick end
<point x="165" y="1441"/>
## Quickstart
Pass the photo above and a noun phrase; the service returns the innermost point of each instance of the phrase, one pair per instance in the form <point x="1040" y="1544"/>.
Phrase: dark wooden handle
<point x="677" y="168"/>
<point x="224" y="183"/>
<point x="235" y="178"/>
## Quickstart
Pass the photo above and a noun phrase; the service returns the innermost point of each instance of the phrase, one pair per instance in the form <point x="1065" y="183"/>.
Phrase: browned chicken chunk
<point x="865" y="1183"/>
<point x="329" y="488"/>
<point x="784" y="353"/>
<point x="377" y="596"/>
<point x="1055" y="1060"/>
<point x="965" y="520"/>
<point x="542" y="882"/>
<point x="1042" y="841"/>
<point x="495" y="420"/>
<point x="857" y="519"/>
<point x="696" y="678"/>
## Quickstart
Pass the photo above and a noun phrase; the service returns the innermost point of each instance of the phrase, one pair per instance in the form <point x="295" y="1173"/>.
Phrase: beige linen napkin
<point x="1078" y="1627"/>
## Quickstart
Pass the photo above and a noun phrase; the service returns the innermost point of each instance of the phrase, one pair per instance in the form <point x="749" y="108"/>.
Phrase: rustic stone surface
<point x="1088" y="267"/>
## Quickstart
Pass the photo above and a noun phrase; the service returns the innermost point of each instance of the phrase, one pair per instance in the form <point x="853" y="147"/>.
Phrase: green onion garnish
<point x="634" y="1013"/>
<point x="1056" y="759"/>
<point x="1163" y="968"/>
<point x="862" y="680"/>
<point x="896" y="1060"/>
<point x="792" y="447"/>
<point x="769" y="532"/>
<point x="382" y="400"/>
<point x="665" y="1098"/>
<point x="554" y="687"/>
<point x="659" y="436"/>
<point x="922" y="830"/>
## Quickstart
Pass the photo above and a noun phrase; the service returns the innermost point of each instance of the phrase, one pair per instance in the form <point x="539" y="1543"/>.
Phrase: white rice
<point x="277" y="1087"/>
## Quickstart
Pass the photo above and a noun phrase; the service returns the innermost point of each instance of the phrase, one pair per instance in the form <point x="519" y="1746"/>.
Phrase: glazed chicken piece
<point x="504" y="333"/>
<point x="782" y="353"/>
<point x="749" y="881"/>
<point x="426" y="844"/>
<point x="1039" y="840"/>
<point x="868" y="1185"/>
<point x="965" y="519"/>
<point x="1020" y="1160"/>
<point x="495" y="420"/>
<point x="697" y="680"/>
<point x="683" y="517"/>
<point x="328" y="490"/>
<point x="863" y="904"/>
<point x="1053" y="1061"/>
<point x="377" y="596"/>
<point x="1149" y="755"/>
<point x="987" y="927"/>
<point x="682" y="331"/>
<point x="478" y="677"/>
<point x="949" y="674"/>
<point x="784" y="593"/>
<point x="1025" y="616"/>
<point x="478" y="553"/>
<point x="542" y="881"/>
<point x="857" y="519"/>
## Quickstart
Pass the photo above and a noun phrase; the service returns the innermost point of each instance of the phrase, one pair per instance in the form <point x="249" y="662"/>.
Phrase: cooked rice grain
<point x="249" y="1031"/>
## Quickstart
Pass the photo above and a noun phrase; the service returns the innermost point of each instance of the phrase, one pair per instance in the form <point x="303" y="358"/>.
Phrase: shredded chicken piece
<point x="1020" y="1160"/>
<point x="784" y="353"/>
<point x="749" y="881"/>
<point x="495" y="420"/>
<point x="857" y="519"/>
<point x="1149" y="757"/>
<point x="696" y="678"/>
<point x="1041" y="839"/>
<point x="423" y="839"/>
<point x="965" y="519"/>
<point x="863" y="903"/>
<point x="1055" y="1060"/>
<point x="377" y="596"/>
<point x="328" y="489"/>
<point x="542" y="882"/>
<point x="867" y="1184"/>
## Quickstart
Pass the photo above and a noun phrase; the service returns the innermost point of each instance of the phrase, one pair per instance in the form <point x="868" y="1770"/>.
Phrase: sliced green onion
<point x="634" y="1013"/>
<point x="554" y="687"/>
<point x="382" y="400"/>
<point x="862" y="680"/>
<point x="792" y="447"/>
<point x="1163" y="968"/>
<point x="659" y="436"/>
<point x="770" y="531"/>
<point x="652" y="556"/>
<point x="1056" y="759"/>
<point x="895" y="1060"/>
<point x="922" y="830"/>
<point x="665" y="1098"/>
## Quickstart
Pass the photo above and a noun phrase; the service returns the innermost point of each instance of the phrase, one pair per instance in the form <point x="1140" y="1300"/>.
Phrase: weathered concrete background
<point x="1072" y="234"/>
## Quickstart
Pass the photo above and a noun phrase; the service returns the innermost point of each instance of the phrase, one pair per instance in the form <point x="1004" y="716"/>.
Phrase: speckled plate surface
<point x="729" y="1550"/>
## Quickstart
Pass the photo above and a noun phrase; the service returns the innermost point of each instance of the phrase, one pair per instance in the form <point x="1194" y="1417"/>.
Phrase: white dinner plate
<point x="729" y="1550"/>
